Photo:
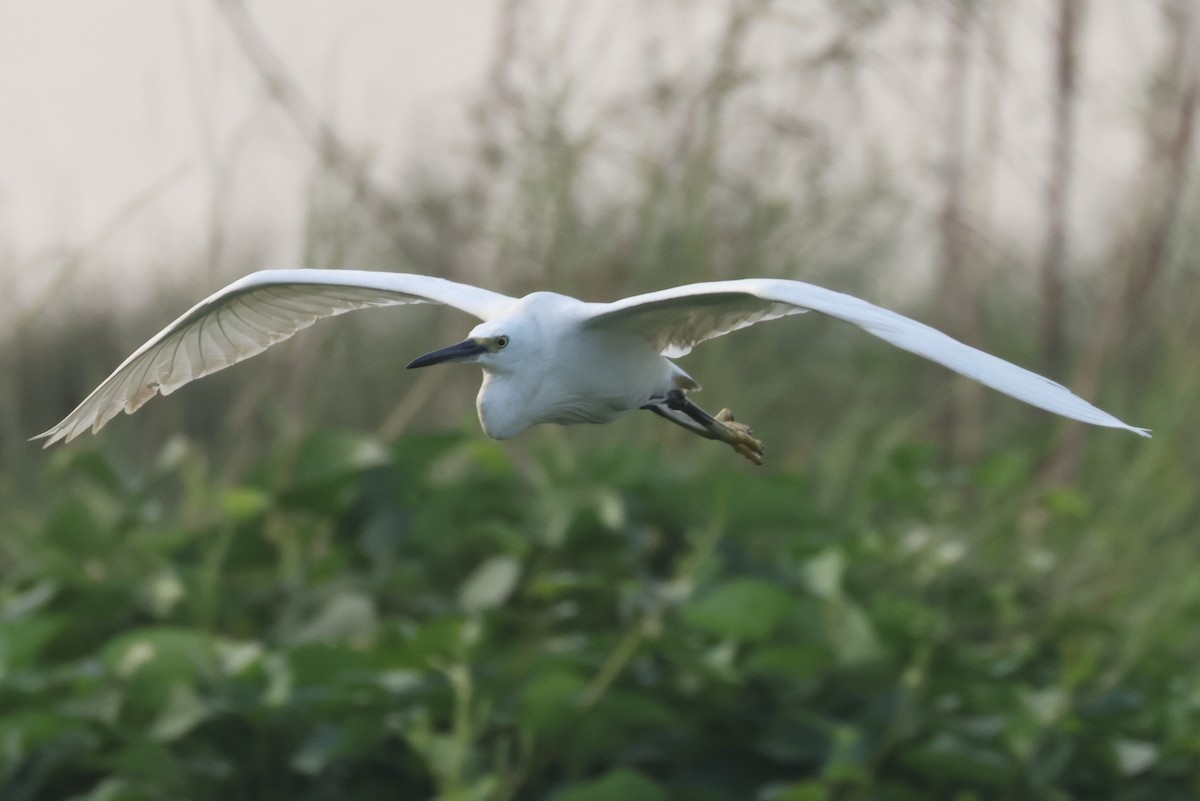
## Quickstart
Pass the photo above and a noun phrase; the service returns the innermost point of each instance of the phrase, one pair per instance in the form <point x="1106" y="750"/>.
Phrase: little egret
<point x="546" y="358"/>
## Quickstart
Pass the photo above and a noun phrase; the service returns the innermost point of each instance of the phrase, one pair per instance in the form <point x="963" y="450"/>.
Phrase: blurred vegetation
<point x="432" y="619"/>
<point x="281" y="583"/>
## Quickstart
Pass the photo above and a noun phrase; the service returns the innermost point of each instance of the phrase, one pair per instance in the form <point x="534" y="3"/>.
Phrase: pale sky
<point x="99" y="101"/>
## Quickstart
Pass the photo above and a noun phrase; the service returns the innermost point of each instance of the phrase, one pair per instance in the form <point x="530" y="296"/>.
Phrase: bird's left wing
<point x="247" y="317"/>
<point x="677" y="319"/>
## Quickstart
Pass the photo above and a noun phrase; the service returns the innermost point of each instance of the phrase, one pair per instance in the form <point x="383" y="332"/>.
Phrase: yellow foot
<point x="739" y="437"/>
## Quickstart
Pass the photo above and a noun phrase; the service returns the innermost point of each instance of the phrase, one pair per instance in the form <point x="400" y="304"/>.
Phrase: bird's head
<point x="497" y="347"/>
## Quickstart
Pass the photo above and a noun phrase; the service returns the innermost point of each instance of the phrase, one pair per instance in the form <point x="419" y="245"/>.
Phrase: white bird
<point x="546" y="358"/>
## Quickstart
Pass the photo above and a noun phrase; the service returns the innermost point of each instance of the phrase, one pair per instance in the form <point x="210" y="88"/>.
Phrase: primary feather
<point x="247" y="317"/>
<point x="677" y="319"/>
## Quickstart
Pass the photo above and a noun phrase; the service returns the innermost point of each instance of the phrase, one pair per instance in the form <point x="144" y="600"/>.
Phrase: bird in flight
<point x="546" y="358"/>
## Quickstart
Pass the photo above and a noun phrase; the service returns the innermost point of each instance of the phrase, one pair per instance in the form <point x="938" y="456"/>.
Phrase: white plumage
<point x="547" y="358"/>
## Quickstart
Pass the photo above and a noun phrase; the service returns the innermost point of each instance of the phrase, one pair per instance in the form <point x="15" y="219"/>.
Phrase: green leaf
<point x="145" y="761"/>
<point x="548" y="703"/>
<point x="436" y="639"/>
<point x="850" y="632"/>
<point x="623" y="784"/>
<point x="325" y="471"/>
<point x="318" y="664"/>
<point x="114" y="789"/>
<point x="823" y="573"/>
<point x="245" y="503"/>
<point x="321" y="747"/>
<point x="74" y="525"/>
<point x="1045" y="705"/>
<point x="166" y="651"/>
<point x="800" y="791"/>
<point x="791" y="661"/>
<point x="331" y="456"/>
<point x="741" y="609"/>
<point x="847" y="759"/>
<point x="490" y="584"/>
<point x="183" y="712"/>
<point x="153" y="661"/>
<point x="1135" y="756"/>
<point x="29" y="602"/>
<point x="97" y="467"/>
<point x="347" y="616"/>
<point x="21" y="641"/>
<point x="947" y="758"/>
<point x="1004" y="471"/>
<point x="32" y="729"/>
<point x="1067" y="503"/>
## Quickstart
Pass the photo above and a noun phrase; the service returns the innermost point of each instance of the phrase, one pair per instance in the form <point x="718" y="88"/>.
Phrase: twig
<point x="501" y="101"/>
<point x="319" y="134"/>
<point x="77" y="258"/>
<point x="1137" y="260"/>
<point x="962" y="419"/>
<point x="1171" y="138"/>
<point x="1054" y="254"/>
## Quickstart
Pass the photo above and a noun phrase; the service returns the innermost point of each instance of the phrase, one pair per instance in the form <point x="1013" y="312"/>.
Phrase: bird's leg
<point x="722" y="427"/>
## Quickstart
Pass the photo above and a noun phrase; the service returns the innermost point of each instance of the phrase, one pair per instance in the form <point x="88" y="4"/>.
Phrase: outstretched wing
<point x="247" y="317"/>
<point x="677" y="319"/>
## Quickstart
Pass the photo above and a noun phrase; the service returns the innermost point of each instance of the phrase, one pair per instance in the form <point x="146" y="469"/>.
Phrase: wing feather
<point x="247" y="317"/>
<point x="676" y="320"/>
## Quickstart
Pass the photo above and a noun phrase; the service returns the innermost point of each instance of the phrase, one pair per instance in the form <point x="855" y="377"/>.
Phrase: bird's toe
<point x="740" y="437"/>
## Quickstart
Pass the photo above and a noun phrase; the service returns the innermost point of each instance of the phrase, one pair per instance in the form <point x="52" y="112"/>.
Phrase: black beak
<point x="467" y="349"/>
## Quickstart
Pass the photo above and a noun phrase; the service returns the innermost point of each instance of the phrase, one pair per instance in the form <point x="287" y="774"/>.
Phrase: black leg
<point x="676" y="407"/>
<point x="678" y="418"/>
<point x="679" y="402"/>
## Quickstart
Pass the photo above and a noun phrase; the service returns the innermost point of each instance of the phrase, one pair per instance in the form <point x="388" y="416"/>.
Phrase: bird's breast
<point x="506" y="408"/>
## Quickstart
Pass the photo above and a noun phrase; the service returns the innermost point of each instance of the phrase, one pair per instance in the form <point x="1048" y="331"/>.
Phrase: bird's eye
<point x="501" y="342"/>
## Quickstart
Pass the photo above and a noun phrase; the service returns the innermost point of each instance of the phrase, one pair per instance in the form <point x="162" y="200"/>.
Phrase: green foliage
<point x="433" y="620"/>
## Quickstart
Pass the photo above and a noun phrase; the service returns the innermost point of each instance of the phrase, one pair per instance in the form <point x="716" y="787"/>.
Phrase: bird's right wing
<point x="677" y="319"/>
<point x="247" y="317"/>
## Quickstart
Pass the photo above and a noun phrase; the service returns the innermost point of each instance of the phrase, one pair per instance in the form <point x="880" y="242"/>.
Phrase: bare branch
<point x="1138" y="259"/>
<point x="319" y="134"/>
<point x="1171" y="135"/>
<point x="1053" y="308"/>
<point x="958" y="294"/>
